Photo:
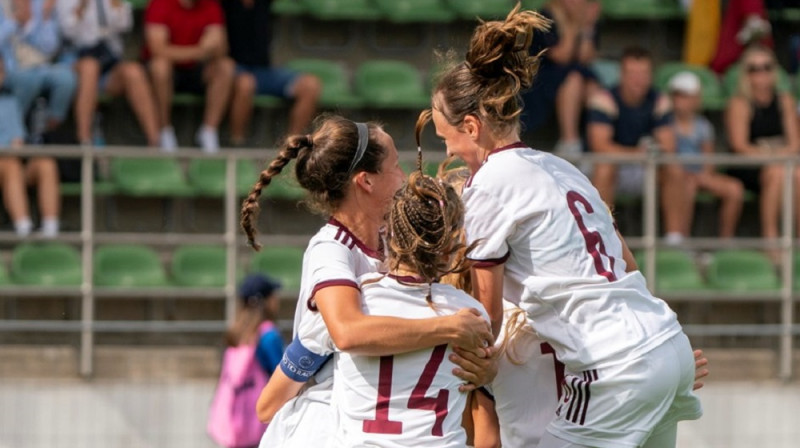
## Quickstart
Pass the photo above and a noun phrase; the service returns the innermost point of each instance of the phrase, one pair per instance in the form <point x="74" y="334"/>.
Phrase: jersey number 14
<point x="418" y="400"/>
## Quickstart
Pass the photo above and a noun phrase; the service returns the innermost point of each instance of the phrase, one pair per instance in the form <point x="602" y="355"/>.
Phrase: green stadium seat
<point x="49" y="264"/>
<point x="128" y="266"/>
<point x="676" y="271"/>
<point x="139" y="4"/>
<point x="149" y="177"/>
<point x="199" y="266"/>
<point x="341" y="9"/>
<point x="429" y="168"/>
<point x="534" y="5"/>
<point x="742" y="271"/>
<point x="336" y="90"/>
<point x="284" y="186"/>
<point x="731" y="79"/>
<point x="407" y="11"/>
<point x="280" y="262"/>
<point x="482" y="9"/>
<point x="607" y="71"/>
<point x="4" y="278"/>
<point x="712" y="95"/>
<point x="188" y="99"/>
<point x="643" y="9"/>
<point x="207" y="176"/>
<point x="288" y="7"/>
<point x="391" y="84"/>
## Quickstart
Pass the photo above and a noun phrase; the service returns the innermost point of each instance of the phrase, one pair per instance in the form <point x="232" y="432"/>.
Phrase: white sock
<point x="23" y="226"/>
<point x="674" y="238"/>
<point x="168" y="140"/>
<point x="208" y="139"/>
<point x="50" y="227"/>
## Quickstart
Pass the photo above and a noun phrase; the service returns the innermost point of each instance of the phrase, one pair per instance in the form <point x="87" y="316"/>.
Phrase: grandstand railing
<point x="234" y="242"/>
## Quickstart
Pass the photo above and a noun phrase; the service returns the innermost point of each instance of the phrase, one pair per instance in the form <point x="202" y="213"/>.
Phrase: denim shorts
<point x="271" y="80"/>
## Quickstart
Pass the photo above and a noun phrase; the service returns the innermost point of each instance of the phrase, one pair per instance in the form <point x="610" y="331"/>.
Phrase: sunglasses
<point x="754" y="68"/>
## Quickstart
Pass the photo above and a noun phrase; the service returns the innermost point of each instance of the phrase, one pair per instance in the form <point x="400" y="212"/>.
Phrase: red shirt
<point x="186" y="25"/>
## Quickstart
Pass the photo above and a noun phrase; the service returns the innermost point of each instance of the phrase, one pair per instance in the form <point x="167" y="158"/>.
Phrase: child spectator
<point x="694" y="136"/>
<point x="254" y="349"/>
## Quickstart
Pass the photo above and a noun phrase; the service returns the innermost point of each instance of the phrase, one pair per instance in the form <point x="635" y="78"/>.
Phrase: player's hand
<point x="700" y="370"/>
<point x="477" y="368"/>
<point x="470" y="329"/>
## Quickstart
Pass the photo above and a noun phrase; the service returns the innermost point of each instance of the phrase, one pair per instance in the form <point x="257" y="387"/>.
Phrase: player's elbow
<point x="265" y="409"/>
<point x="344" y="339"/>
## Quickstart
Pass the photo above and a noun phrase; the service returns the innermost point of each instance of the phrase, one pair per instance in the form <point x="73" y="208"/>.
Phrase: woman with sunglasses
<point x="760" y="120"/>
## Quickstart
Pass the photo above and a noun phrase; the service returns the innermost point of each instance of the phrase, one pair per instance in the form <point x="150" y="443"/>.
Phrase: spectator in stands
<point x="186" y="49"/>
<point x="622" y="121"/>
<point x="249" y="36"/>
<point x="29" y="40"/>
<point x="565" y="79"/>
<point x="695" y="135"/>
<point x="93" y="27"/>
<point x="16" y="175"/>
<point x="760" y="120"/>
<point x="743" y="22"/>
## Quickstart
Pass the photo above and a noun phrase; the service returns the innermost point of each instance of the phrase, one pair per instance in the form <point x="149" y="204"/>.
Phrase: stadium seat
<point x="341" y="9"/>
<point x="534" y="5"/>
<point x="607" y="71"/>
<point x="731" y="79"/>
<point x="51" y="264"/>
<point x="480" y="9"/>
<point x="391" y="84"/>
<point x="199" y="266"/>
<point x="407" y="11"/>
<point x="676" y="271"/>
<point x="128" y="266"/>
<point x="4" y="278"/>
<point x="149" y="177"/>
<point x="207" y="176"/>
<point x="642" y="9"/>
<point x="288" y="7"/>
<point x="336" y="91"/>
<point x="713" y="97"/>
<point x="429" y="168"/>
<point x="283" y="263"/>
<point x="100" y="188"/>
<point x="284" y="186"/>
<point x="139" y="4"/>
<point x="742" y="270"/>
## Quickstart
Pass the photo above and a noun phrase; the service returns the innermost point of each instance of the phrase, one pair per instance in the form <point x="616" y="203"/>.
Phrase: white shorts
<point x="622" y="405"/>
<point x="304" y="421"/>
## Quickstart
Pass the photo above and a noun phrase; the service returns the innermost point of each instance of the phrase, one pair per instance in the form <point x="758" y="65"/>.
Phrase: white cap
<point x="685" y="82"/>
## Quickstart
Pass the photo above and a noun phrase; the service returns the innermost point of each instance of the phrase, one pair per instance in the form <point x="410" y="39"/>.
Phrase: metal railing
<point x="87" y="237"/>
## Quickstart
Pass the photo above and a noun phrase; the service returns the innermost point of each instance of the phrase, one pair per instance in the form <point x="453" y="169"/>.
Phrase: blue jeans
<point x="57" y="79"/>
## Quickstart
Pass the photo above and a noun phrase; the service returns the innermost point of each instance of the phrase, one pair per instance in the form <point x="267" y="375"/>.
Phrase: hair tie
<point x="363" y="141"/>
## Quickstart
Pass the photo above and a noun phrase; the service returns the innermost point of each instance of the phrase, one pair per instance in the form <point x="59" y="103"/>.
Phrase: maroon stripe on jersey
<point x="353" y="240"/>
<point x="381" y="424"/>
<point x="491" y="262"/>
<point x="327" y="283"/>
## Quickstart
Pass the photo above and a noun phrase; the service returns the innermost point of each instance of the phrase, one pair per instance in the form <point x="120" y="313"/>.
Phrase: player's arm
<point x="480" y="421"/>
<point x="627" y="255"/>
<point x="487" y="287"/>
<point x="157" y="39"/>
<point x="275" y="394"/>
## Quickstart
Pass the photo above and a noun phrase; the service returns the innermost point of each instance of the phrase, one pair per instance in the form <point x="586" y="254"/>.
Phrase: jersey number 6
<point x="594" y="242"/>
<point x="438" y="404"/>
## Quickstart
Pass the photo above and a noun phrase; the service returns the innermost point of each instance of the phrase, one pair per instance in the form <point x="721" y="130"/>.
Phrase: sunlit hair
<point x="322" y="167"/>
<point x="249" y="316"/>
<point x="743" y="87"/>
<point x="516" y="327"/>
<point x="497" y="67"/>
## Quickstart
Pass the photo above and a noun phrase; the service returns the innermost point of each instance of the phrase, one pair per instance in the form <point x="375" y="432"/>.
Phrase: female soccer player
<point x="351" y="173"/>
<point x="549" y="245"/>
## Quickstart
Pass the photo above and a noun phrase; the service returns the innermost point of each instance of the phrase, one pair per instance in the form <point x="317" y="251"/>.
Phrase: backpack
<point x="232" y="420"/>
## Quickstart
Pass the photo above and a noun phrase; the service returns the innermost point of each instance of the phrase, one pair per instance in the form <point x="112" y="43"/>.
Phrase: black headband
<point x="363" y="141"/>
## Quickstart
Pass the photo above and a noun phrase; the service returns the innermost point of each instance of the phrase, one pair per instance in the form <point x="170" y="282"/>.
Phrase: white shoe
<point x="569" y="149"/>
<point x="208" y="140"/>
<point x="167" y="140"/>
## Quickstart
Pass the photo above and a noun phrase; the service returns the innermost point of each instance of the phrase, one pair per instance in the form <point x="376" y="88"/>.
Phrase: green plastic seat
<point x="607" y="71"/>
<point x="288" y="7"/>
<point x="188" y="99"/>
<point x="643" y="9"/>
<point x="149" y="177"/>
<point x="533" y="5"/>
<point x="407" y="11"/>
<point x="675" y="271"/>
<point x="391" y="85"/>
<point x="128" y="266"/>
<point x="429" y="168"/>
<point x="284" y="186"/>
<point x="341" y="9"/>
<point x="139" y="4"/>
<point x="199" y="266"/>
<point x="713" y="97"/>
<point x="336" y="90"/>
<point x="4" y="277"/>
<point x="49" y="264"/>
<point x="730" y="80"/>
<point x="482" y="9"/>
<point x="742" y="270"/>
<point x="284" y="263"/>
<point x="100" y="188"/>
<point x="207" y="176"/>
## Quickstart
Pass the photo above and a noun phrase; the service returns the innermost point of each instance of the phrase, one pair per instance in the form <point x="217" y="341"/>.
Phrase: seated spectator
<point x="743" y="22"/>
<point x="760" y="120"/>
<point x="565" y="79"/>
<point x="620" y="122"/>
<point x="186" y="50"/>
<point x="16" y="175"/>
<point x="249" y="36"/>
<point x="93" y="27"/>
<point x="29" y="39"/>
<point x="695" y="136"/>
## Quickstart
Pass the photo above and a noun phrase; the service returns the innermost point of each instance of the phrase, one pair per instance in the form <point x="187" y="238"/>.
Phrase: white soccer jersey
<point x="411" y="399"/>
<point x="563" y="260"/>
<point x="526" y="391"/>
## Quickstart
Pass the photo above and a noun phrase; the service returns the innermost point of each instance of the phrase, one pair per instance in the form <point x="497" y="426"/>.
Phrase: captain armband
<point x="300" y="363"/>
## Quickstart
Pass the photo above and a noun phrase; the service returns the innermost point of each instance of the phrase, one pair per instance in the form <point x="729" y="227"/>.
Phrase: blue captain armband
<point x="300" y="363"/>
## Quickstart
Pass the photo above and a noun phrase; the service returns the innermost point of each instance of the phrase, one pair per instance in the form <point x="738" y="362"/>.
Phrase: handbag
<point x="103" y="53"/>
